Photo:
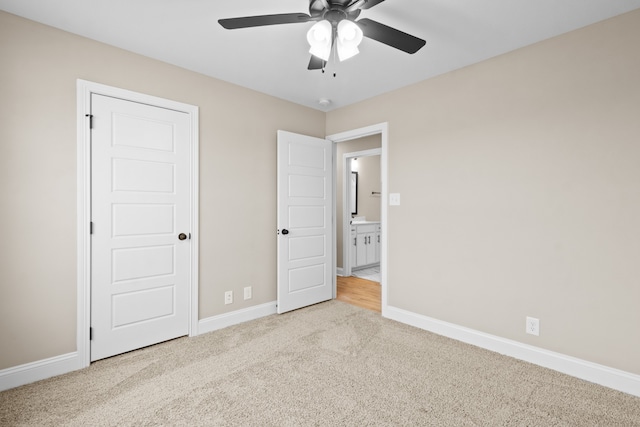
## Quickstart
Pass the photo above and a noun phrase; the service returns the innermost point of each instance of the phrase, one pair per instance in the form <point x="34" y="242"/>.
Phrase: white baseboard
<point x="339" y="271"/>
<point x="58" y="365"/>
<point x="235" y="317"/>
<point x="589" y="371"/>
<point x="40" y="370"/>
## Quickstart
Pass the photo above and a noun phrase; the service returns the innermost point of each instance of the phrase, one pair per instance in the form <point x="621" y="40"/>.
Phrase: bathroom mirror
<point x="353" y="193"/>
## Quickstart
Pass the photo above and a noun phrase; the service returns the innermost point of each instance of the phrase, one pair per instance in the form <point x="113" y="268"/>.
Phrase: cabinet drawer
<point x="368" y="228"/>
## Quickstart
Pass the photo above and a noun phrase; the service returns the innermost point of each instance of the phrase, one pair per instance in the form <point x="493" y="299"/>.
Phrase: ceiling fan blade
<point x="356" y="5"/>
<point x="262" y="20"/>
<point x="370" y="3"/>
<point x="390" y="36"/>
<point x="316" y="63"/>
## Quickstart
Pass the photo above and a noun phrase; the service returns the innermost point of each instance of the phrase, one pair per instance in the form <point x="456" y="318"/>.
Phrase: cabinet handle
<point x="378" y="238"/>
<point x="355" y="242"/>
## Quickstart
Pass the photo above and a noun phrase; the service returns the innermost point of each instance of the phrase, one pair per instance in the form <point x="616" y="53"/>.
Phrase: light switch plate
<point x="394" y="199"/>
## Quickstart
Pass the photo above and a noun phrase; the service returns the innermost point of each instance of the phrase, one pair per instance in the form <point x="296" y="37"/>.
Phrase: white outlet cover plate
<point x="394" y="199"/>
<point x="533" y="326"/>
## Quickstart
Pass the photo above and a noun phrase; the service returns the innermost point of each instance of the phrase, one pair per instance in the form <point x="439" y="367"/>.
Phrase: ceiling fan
<point x="336" y="28"/>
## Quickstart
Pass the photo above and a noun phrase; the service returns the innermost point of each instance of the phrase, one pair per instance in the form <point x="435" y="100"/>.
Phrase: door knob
<point x="285" y="231"/>
<point x="182" y="236"/>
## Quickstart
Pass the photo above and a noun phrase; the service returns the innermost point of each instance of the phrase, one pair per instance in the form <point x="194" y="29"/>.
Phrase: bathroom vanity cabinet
<point x="365" y="240"/>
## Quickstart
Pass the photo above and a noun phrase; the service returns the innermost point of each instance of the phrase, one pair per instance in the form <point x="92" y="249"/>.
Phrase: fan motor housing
<point x="335" y="15"/>
<point x="335" y="12"/>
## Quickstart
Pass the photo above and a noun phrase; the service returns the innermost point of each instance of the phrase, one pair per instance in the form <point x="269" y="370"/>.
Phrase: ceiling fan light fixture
<point x="334" y="28"/>
<point x="320" y="37"/>
<point x="349" y="37"/>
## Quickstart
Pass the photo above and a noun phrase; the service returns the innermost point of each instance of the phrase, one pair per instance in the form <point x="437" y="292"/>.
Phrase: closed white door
<point x="140" y="214"/>
<point x="305" y="211"/>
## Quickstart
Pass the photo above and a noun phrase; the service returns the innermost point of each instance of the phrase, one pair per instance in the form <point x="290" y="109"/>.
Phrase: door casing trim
<point x="84" y="90"/>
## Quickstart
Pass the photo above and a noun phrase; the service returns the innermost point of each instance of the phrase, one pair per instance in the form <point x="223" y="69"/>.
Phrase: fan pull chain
<point x="335" y="60"/>
<point x="334" y="53"/>
<point x="334" y="73"/>
<point x="323" y="69"/>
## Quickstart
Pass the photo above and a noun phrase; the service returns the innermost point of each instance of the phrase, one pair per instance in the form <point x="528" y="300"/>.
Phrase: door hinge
<point x="91" y="227"/>
<point x="90" y="120"/>
<point x="90" y="334"/>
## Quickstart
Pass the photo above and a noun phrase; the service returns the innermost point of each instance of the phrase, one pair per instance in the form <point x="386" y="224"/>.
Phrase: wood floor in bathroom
<point x="359" y="292"/>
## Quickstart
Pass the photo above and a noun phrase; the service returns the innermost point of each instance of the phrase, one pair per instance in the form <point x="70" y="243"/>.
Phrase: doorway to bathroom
<point x="360" y="216"/>
<point x="360" y="241"/>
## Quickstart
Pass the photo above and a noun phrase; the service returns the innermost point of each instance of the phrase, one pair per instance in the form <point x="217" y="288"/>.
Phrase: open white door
<point x="305" y="211"/>
<point x="140" y="277"/>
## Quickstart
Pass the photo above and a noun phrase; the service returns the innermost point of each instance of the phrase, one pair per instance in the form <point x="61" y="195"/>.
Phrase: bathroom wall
<point x="368" y="184"/>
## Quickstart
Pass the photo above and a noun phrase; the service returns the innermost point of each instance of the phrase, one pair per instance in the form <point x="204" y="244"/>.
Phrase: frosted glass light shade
<point x="319" y="37"/>
<point x="349" y="37"/>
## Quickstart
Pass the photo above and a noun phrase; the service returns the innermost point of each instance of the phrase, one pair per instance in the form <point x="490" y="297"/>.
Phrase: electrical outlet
<point x="247" y="292"/>
<point x="228" y="297"/>
<point x="533" y="326"/>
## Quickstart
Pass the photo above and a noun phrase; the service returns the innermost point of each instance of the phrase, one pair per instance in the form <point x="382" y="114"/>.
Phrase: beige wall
<point x="520" y="189"/>
<point x="352" y="146"/>
<point x="38" y="70"/>
<point x="368" y="183"/>
<point x="519" y="180"/>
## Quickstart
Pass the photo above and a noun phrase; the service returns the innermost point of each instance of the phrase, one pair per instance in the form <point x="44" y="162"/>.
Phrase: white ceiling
<point x="274" y="59"/>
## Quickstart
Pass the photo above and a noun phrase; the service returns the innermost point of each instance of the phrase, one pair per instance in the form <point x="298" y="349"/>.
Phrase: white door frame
<point x="346" y="212"/>
<point x="83" y="303"/>
<point x="383" y="130"/>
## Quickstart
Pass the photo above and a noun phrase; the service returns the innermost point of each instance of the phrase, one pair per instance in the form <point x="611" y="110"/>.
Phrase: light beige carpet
<point x="331" y="364"/>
